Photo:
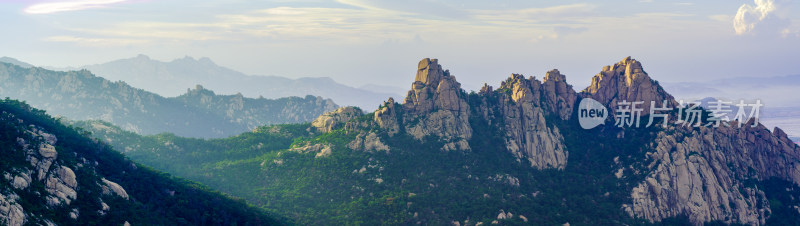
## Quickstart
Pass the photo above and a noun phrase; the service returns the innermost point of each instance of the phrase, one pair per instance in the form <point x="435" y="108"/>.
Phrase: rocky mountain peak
<point x="627" y="80"/>
<point x="438" y="105"/>
<point x="142" y="57"/>
<point x="386" y="117"/>
<point x="434" y="89"/>
<point x="429" y="72"/>
<point x="520" y="106"/>
<point x="555" y="76"/>
<point x="523" y="89"/>
<point x="559" y="97"/>
<point x="486" y="89"/>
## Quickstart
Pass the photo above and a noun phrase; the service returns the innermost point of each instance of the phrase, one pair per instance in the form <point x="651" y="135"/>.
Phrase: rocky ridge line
<point x="695" y="172"/>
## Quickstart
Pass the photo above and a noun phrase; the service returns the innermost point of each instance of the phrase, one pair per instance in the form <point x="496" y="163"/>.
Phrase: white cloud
<point x="358" y="23"/>
<point x="93" y="41"/>
<point x="54" y="7"/>
<point x="748" y="17"/>
<point x="560" y="12"/>
<point x="429" y="8"/>
<point x="721" y="18"/>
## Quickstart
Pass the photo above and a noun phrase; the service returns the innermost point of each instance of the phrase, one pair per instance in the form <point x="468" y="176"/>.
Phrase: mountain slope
<point x="56" y="174"/>
<point x="171" y="78"/>
<point x="15" y="62"/>
<point x="509" y="155"/>
<point x="79" y="95"/>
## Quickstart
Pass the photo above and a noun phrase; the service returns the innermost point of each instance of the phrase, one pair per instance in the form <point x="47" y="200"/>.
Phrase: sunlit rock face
<point x="627" y="81"/>
<point x="519" y="106"/>
<point x="437" y="106"/>
<point x="701" y="172"/>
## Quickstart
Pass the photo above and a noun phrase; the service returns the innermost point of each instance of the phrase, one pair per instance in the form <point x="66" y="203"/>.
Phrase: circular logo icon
<point x="591" y="113"/>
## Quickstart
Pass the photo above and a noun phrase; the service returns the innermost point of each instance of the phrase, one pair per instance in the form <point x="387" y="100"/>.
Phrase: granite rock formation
<point x="436" y="105"/>
<point x="520" y="106"/>
<point x="627" y="81"/>
<point x="335" y="119"/>
<point x="701" y="174"/>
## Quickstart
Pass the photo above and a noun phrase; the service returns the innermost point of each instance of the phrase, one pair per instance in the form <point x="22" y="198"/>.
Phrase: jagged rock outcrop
<point x="335" y="119"/>
<point x="559" y="97"/>
<point x="110" y="187"/>
<point x="626" y="80"/>
<point x="700" y="173"/>
<point x="436" y="105"/>
<point x="386" y="117"/>
<point x="62" y="185"/>
<point x="11" y="213"/>
<point x="370" y="142"/>
<point x="520" y="106"/>
<point x="321" y="150"/>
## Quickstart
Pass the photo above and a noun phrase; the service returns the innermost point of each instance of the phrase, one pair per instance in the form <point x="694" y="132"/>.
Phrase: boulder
<point x="110" y="187"/>
<point x="335" y="119"/>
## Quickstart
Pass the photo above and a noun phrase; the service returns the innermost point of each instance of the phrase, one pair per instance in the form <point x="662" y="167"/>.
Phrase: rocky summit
<point x="627" y="81"/>
<point x="436" y="105"/>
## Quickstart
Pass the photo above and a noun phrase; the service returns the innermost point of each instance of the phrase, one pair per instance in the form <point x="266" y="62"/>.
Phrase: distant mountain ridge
<point x="767" y="89"/>
<point x="172" y="78"/>
<point x="15" y="62"/>
<point x="80" y="95"/>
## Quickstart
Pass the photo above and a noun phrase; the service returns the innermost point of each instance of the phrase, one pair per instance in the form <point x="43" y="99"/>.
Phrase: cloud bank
<point x="760" y="18"/>
<point x="54" y="7"/>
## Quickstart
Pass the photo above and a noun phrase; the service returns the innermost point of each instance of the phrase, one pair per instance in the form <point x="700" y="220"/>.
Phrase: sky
<point x="359" y="42"/>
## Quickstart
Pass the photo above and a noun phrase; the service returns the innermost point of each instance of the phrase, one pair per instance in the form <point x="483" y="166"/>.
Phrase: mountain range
<point x="172" y="78"/>
<point x="80" y="95"/>
<point x="515" y="154"/>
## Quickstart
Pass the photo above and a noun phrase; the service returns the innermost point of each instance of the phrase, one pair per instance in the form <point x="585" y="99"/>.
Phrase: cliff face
<point x="520" y="106"/>
<point x="701" y="174"/>
<point x="627" y="80"/>
<point x="437" y="106"/>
